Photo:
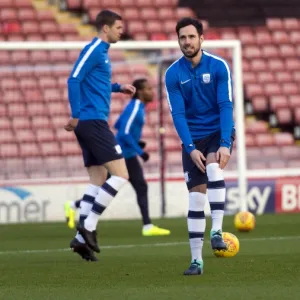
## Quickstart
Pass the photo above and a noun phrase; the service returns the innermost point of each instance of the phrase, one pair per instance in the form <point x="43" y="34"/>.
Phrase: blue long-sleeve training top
<point x="200" y="99"/>
<point x="129" y="126"/>
<point x="89" y="84"/>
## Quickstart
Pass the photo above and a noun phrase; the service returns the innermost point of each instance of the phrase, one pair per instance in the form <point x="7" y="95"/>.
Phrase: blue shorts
<point x="97" y="142"/>
<point x="210" y="144"/>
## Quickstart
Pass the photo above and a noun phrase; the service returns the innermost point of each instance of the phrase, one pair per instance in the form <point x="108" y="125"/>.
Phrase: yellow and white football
<point x="233" y="246"/>
<point x="244" y="221"/>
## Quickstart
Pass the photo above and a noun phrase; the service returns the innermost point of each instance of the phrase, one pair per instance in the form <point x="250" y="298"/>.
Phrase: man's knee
<point x="117" y="168"/>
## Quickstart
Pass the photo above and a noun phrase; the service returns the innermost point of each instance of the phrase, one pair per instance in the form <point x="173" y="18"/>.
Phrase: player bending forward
<point x="130" y="125"/>
<point x="199" y="90"/>
<point x="90" y="88"/>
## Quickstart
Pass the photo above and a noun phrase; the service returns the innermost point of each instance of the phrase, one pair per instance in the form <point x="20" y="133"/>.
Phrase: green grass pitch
<point x="35" y="264"/>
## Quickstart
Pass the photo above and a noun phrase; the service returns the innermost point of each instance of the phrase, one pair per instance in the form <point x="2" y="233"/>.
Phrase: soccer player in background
<point x="89" y="88"/>
<point x="199" y="92"/>
<point x="129" y="127"/>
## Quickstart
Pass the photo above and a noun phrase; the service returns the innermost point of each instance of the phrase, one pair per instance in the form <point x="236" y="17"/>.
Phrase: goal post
<point x="234" y="45"/>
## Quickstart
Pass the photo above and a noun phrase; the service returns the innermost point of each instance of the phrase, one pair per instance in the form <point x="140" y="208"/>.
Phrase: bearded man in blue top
<point x="199" y="92"/>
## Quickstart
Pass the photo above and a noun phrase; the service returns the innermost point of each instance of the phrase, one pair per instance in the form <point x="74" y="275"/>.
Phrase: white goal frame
<point x="235" y="45"/>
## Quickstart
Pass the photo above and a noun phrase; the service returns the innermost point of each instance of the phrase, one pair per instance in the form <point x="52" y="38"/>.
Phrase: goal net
<point x="34" y="148"/>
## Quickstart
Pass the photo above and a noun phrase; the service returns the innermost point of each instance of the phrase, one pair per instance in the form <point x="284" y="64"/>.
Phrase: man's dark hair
<point x="106" y="17"/>
<point x="189" y="21"/>
<point x="139" y="85"/>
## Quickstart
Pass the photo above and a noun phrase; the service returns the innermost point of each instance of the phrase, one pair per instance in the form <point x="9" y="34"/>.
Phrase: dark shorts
<point x="97" y="142"/>
<point x="210" y="144"/>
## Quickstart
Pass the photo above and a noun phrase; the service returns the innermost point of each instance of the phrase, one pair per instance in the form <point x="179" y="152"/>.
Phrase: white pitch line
<point x="261" y="239"/>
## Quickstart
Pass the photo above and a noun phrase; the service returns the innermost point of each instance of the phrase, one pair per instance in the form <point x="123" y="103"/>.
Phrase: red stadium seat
<point x="9" y="150"/>
<point x="258" y="64"/>
<point x="183" y="12"/>
<point x="5" y="3"/>
<point x="50" y="149"/>
<point x="17" y="109"/>
<point x="292" y="64"/>
<point x="24" y="135"/>
<point x="295" y="37"/>
<point x="3" y="110"/>
<point x="293" y="163"/>
<point x="27" y="14"/>
<point x="276" y="65"/>
<point x="249" y="77"/>
<point x="40" y="122"/>
<point x="165" y="13"/>
<point x="58" y="56"/>
<point x="272" y="89"/>
<point x="57" y="108"/>
<point x="70" y="148"/>
<point x="169" y="26"/>
<point x="59" y="121"/>
<point x="8" y="14"/>
<point x="62" y="135"/>
<point x="67" y="28"/>
<point x="40" y="56"/>
<point x="296" y="76"/>
<point x="148" y="14"/>
<point x="45" y="15"/>
<point x="283" y="138"/>
<point x="22" y="3"/>
<point x="74" y="4"/>
<point x="47" y="27"/>
<point x="6" y="136"/>
<point x="278" y="102"/>
<point x="34" y="37"/>
<point x="30" y="27"/>
<point x="11" y="96"/>
<point x="254" y="90"/>
<point x="144" y="3"/>
<point x="271" y="152"/>
<point x="5" y="123"/>
<point x="290" y="88"/>
<point x="52" y="95"/>
<point x="263" y="37"/>
<point x="274" y="24"/>
<point x="277" y="164"/>
<point x="287" y="50"/>
<point x="291" y="23"/>
<point x="264" y="77"/>
<point x="136" y="27"/>
<point x="28" y="83"/>
<point x="294" y="100"/>
<point x="270" y="51"/>
<point x="280" y="37"/>
<point x="21" y="123"/>
<point x="252" y="51"/>
<point x="264" y="139"/>
<point x="254" y="126"/>
<point x="282" y="77"/>
<point x="45" y="135"/>
<point x="36" y="109"/>
<point x="33" y="95"/>
<point x="297" y="115"/>
<point x="4" y="57"/>
<point x="250" y="140"/>
<point x="19" y="57"/>
<point x="29" y="150"/>
<point x="47" y="82"/>
<point x="290" y="152"/>
<point x="284" y="116"/>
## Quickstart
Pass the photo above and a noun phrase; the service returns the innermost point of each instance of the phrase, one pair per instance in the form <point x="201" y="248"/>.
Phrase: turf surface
<point x="135" y="267"/>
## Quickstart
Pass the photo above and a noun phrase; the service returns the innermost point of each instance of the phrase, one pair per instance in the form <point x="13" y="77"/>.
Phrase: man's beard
<point x="191" y="55"/>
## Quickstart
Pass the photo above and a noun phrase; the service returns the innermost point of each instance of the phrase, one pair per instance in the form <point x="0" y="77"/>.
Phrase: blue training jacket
<point x="200" y="99"/>
<point x="129" y="126"/>
<point x="89" y="85"/>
